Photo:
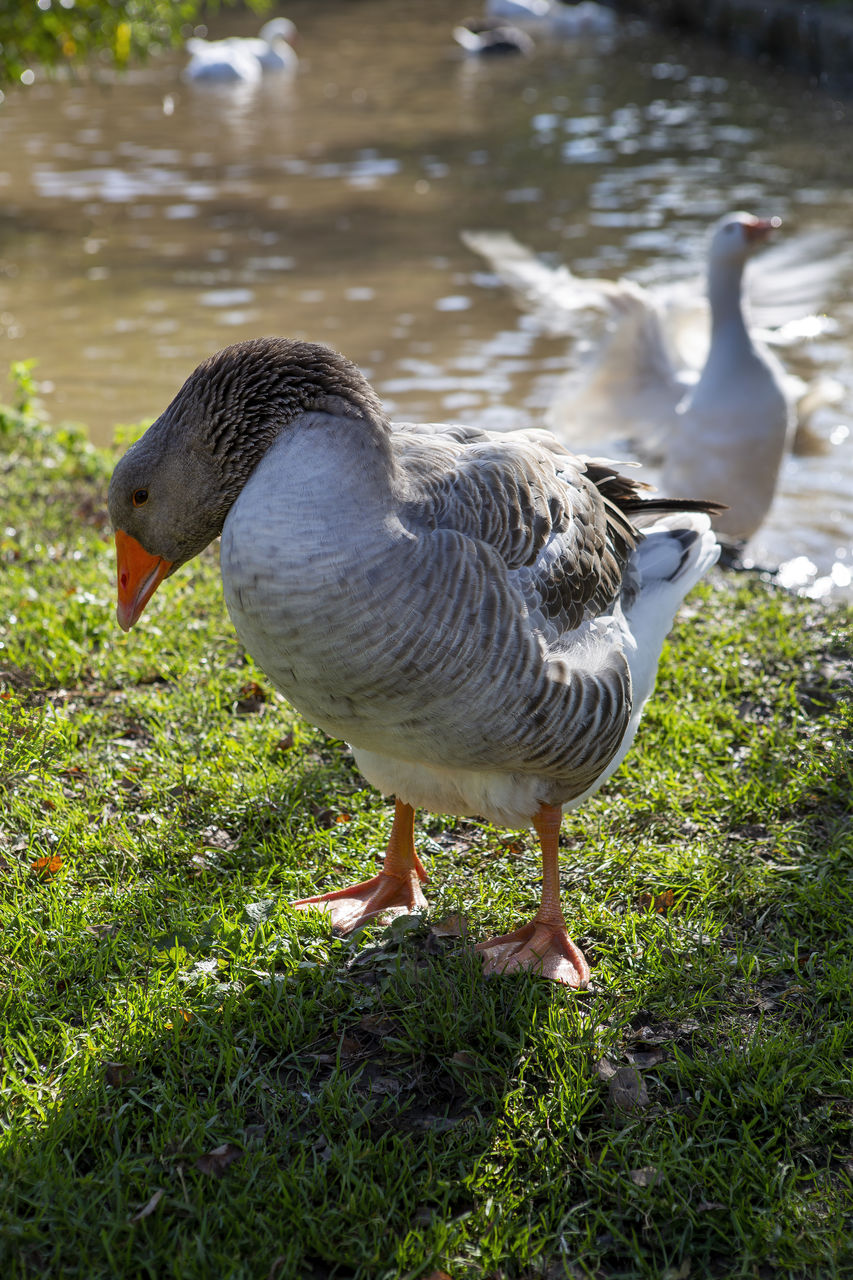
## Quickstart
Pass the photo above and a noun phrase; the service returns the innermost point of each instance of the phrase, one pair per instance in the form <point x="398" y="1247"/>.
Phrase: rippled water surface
<point x="145" y="222"/>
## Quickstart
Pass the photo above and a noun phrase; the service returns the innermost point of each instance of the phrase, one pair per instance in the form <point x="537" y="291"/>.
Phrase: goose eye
<point x="140" y="497"/>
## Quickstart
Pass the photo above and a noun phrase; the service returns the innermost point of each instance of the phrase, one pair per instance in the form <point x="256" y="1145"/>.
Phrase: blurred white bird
<point x="553" y="18"/>
<point x="242" y="59"/>
<point x="719" y="424"/>
<point x="492" y="37"/>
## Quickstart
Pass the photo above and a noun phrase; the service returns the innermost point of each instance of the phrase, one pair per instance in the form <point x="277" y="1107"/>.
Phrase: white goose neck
<point x="724" y="296"/>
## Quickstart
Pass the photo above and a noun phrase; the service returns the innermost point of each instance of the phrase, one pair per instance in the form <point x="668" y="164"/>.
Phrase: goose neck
<point x="724" y="296"/>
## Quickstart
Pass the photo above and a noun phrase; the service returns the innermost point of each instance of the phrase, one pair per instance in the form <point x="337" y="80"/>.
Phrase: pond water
<point x="146" y="222"/>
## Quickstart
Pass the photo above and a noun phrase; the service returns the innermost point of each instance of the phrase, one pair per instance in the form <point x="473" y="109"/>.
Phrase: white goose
<point x="478" y="614"/>
<point x="552" y="17"/>
<point x="722" y="435"/>
<point x="242" y="59"/>
<point x="492" y="38"/>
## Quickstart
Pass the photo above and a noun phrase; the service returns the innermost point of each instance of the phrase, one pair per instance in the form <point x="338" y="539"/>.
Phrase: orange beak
<point x="139" y="576"/>
<point x="760" y="228"/>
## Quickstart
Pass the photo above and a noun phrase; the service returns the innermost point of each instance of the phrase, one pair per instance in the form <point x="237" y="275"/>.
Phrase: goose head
<point x="171" y="492"/>
<point x="278" y="31"/>
<point x="734" y="240"/>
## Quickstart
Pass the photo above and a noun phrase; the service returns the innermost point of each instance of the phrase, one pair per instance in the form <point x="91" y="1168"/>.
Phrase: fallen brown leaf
<point x="148" y="1209"/>
<point x="184" y="1014"/>
<point x="217" y="1161"/>
<point x="659" y="902"/>
<point x="627" y="1092"/>
<point x="216" y="838"/>
<point x="117" y="1074"/>
<point x="323" y="817"/>
<point x="106" y="930"/>
<point x="384" y="1085"/>
<point x="47" y="866"/>
<point x="252" y="698"/>
<point x="647" y="1176"/>
<point x="642" y="1059"/>
<point x="454" y="926"/>
<point x="376" y="1025"/>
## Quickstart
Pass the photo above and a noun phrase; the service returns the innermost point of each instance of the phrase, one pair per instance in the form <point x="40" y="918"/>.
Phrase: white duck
<point x="242" y="59"/>
<point x="555" y="18"/>
<point x="478" y="614"/>
<point x="491" y="38"/>
<point x="722" y="436"/>
<point x="273" y="46"/>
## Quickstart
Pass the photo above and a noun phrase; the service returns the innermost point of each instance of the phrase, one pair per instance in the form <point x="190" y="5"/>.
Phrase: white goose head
<point x="734" y="240"/>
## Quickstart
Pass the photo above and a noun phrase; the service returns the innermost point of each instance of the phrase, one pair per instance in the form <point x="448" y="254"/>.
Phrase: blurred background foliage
<point x="107" y="33"/>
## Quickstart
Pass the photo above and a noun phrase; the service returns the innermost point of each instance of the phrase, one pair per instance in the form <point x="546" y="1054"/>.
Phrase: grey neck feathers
<point x="239" y="400"/>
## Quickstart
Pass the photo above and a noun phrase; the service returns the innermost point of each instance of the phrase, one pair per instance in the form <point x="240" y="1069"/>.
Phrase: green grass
<point x="287" y="1104"/>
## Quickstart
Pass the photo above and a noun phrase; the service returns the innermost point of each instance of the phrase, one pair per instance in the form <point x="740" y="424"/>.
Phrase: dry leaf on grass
<point x="218" y="1160"/>
<point x="148" y="1209"/>
<point x="642" y="1059"/>
<point x="323" y="817"/>
<point x="381" y="1085"/>
<point x="117" y="1074"/>
<point x="47" y="866"/>
<point x="454" y="926"/>
<point x="185" y="1015"/>
<point x="349" y="1047"/>
<point x="216" y="838"/>
<point x="375" y="1024"/>
<point x="251" y="700"/>
<point x="627" y="1093"/>
<point x="659" y="902"/>
<point x="106" y="930"/>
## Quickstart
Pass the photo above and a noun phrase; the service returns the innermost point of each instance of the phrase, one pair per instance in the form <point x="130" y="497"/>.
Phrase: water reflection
<point x="148" y="222"/>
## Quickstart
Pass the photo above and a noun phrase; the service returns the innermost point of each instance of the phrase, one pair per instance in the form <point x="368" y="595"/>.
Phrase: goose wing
<point x="526" y="551"/>
<point x="552" y="517"/>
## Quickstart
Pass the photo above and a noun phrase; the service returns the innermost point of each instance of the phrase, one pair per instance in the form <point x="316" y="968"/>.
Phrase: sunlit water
<point x="146" y="223"/>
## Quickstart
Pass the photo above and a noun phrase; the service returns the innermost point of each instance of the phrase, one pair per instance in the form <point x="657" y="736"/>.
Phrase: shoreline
<point x="809" y="39"/>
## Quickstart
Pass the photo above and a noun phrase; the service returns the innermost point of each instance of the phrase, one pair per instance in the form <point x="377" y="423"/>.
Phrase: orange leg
<point x="542" y="947"/>
<point x="395" y="891"/>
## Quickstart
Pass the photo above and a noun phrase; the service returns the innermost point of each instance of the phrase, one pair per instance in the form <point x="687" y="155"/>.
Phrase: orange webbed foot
<point x="395" y="891"/>
<point x="542" y="949"/>
<point x="377" y="900"/>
